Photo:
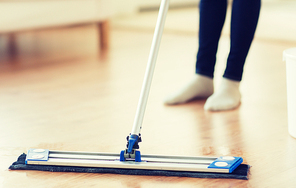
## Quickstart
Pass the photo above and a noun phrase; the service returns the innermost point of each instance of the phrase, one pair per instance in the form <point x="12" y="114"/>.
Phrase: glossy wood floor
<point x="58" y="93"/>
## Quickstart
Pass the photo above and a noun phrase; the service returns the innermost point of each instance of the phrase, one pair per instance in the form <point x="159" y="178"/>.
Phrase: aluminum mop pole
<point x="134" y="136"/>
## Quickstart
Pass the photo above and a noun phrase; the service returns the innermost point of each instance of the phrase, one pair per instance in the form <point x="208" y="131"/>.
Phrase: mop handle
<point x="164" y="6"/>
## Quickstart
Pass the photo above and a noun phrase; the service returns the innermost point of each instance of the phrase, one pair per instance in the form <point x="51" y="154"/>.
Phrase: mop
<point x="130" y="161"/>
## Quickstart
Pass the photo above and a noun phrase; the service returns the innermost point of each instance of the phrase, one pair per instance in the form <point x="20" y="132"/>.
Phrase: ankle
<point x="229" y="84"/>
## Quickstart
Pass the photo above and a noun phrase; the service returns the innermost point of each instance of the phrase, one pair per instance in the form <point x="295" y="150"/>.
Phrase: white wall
<point x="147" y="3"/>
<point x="155" y="3"/>
<point x="125" y="6"/>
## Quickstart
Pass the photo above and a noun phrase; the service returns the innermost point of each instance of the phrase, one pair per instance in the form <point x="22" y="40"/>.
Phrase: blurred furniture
<point x="22" y="15"/>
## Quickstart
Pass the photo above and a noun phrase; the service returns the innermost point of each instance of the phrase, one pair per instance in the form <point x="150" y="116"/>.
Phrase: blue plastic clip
<point x="230" y="163"/>
<point x="122" y="158"/>
<point x="131" y="142"/>
<point x="137" y="155"/>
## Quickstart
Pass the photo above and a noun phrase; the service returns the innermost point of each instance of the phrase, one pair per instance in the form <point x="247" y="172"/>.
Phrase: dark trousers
<point x="244" y="19"/>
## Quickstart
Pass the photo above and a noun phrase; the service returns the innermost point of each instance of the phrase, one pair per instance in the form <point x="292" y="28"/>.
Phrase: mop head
<point x="241" y="172"/>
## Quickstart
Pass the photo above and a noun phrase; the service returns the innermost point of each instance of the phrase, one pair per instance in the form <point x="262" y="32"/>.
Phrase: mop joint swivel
<point x="131" y="153"/>
<point x="133" y="142"/>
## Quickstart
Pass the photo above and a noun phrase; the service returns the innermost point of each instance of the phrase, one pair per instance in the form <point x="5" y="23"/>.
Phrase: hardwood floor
<point x="58" y="93"/>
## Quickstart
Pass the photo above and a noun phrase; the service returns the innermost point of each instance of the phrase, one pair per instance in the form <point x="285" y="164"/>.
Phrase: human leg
<point x="244" y="19"/>
<point x="245" y="14"/>
<point x="212" y="17"/>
